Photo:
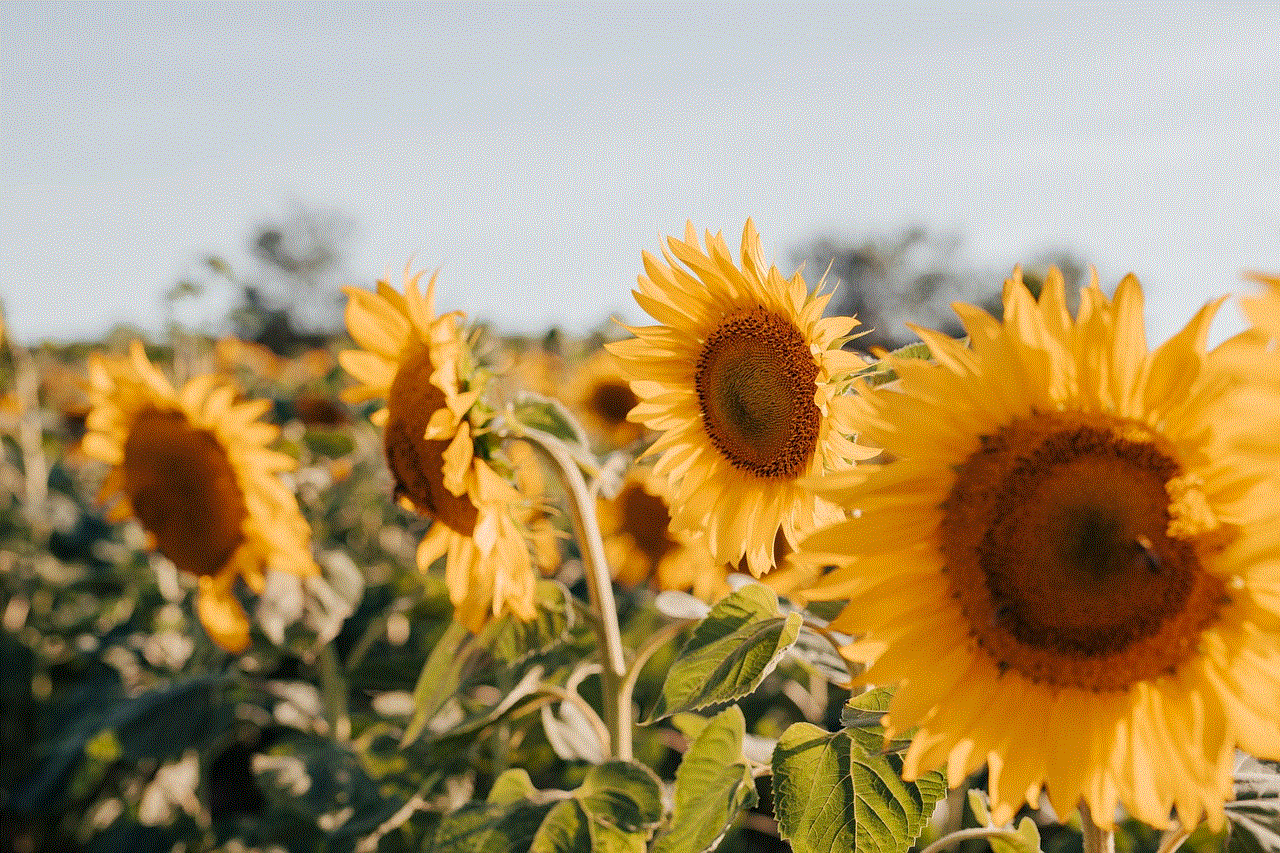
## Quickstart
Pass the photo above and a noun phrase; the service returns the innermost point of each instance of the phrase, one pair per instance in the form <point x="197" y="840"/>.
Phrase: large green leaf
<point x="713" y="784"/>
<point x="614" y="810"/>
<point x="320" y="789"/>
<point x="831" y="792"/>
<point x="730" y="653"/>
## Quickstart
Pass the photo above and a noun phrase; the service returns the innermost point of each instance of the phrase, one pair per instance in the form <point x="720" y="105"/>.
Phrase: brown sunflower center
<point x="755" y="381"/>
<point x="183" y="489"/>
<point x="611" y="401"/>
<point x="646" y="519"/>
<point x="1074" y="544"/>
<point x="416" y="462"/>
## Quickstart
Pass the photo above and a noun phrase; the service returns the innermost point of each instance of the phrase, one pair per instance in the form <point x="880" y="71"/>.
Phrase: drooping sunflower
<point x="194" y="467"/>
<point x="420" y="364"/>
<point x="743" y="378"/>
<point x="1069" y="569"/>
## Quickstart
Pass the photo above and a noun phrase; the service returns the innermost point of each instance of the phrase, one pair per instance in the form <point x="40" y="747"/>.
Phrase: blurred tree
<point x="295" y="305"/>
<point x="913" y="275"/>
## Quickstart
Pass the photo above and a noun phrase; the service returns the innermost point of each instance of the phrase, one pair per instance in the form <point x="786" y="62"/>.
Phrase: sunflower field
<point x="728" y="581"/>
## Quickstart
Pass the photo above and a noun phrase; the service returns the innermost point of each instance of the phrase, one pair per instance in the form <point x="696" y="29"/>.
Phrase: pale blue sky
<point x="533" y="151"/>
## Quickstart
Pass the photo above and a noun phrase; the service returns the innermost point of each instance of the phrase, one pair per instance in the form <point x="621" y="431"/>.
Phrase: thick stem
<point x="1096" y="839"/>
<point x="586" y="528"/>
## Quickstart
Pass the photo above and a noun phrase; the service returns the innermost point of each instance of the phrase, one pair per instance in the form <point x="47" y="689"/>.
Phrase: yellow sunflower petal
<point x="222" y="615"/>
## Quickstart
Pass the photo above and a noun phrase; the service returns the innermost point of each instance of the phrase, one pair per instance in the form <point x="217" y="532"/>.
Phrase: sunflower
<point x="601" y="395"/>
<point x="420" y="364"/>
<point x="743" y="378"/>
<point x="1067" y="568"/>
<point x="642" y="548"/>
<point x="194" y="468"/>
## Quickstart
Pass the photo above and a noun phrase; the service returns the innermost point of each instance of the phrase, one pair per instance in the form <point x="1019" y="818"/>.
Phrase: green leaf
<point x="881" y="372"/>
<point x="489" y="828"/>
<point x="304" y="778"/>
<point x="548" y="415"/>
<point x="831" y="792"/>
<point x="439" y="680"/>
<point x="614" y="810"/>
<point x="1026" y="839"/>
<point x="622" y="794"/>
<point x="863" y="713"/>
<point x="511" y="640"/>
<point x="511" y="786"/>
<point x="527" y="685"/>
<point x="730" y="653"/>
<point x="564" y="830"/>
<point x="865" y="710"/>
<point x="713" y="784"/>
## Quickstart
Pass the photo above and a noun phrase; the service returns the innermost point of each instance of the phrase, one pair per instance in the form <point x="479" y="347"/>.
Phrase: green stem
<point x="586" y="528"/>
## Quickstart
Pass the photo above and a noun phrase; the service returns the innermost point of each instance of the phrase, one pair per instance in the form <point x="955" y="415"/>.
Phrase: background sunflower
<point x="743" y="379"/>
<point x="194" y="467"/>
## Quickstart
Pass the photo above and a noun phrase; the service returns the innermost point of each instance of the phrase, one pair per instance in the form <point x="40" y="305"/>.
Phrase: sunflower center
<point x="612" y="401"/>
<point x="646" y="520"/>
<point x="183" y="489"/>
<point x="416" y="462"/>
<point x="755" y="381"/>
<point x="1074" y="544"/>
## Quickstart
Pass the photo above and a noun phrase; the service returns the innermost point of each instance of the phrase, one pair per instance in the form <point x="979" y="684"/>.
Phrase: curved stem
<point x="965" y="834"/>
<point x="582" y="514"/>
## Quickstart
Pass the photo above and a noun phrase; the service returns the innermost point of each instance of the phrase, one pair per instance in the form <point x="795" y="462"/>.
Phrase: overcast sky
<point x="533" y="152"/>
